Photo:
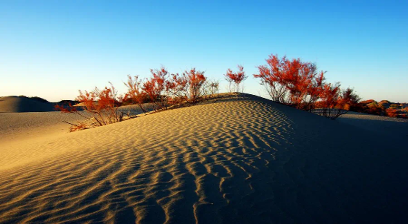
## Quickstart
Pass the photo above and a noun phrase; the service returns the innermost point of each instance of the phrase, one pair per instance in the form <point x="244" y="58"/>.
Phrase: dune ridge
<point x="237" y="160"/>
<point x="12" y="104"/>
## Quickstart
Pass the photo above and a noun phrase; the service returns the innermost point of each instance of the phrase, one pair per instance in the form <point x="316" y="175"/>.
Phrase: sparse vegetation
<point x="292" y="82"/>
<point x="235" y="79"/>
<point x="135" y="92"/>
<point x="383" y="108"/>
<point x="299" y="84"/>
<point x="100" y="108"/>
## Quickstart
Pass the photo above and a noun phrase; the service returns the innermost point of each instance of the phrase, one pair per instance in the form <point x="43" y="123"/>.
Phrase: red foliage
<point x="102" y="105"/>
<point x="349" y="99"/>
<point x="236" y="78"/>
<point x="374" y="108"/>
<point x="155" y="87"/>
<point x="391" y="112"/>
<point x="195" y="82"/>
<point x="274" y="78"/>
<point x="292" y="81"/>
<point x="135" y="92"/>
<point x="299" y="84"/>
<point x="330" y="95"/>
<point x="66" y="109"/>
<point x="176" y="88"/>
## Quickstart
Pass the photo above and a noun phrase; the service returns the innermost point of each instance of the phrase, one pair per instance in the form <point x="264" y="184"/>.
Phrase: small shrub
<point x="213" y="87"/>
<point x="155" y="87"/>
<point x="135" y="92"/>
<point x="391" y="112"/>
<point x="195" y="82"/>
<point x="176" y="88"/>
<point x="235" y="78"/>
<point x="100" y="108"/>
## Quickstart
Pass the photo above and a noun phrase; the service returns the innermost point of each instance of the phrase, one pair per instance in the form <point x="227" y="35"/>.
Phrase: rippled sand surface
<point x="235" y="160"/>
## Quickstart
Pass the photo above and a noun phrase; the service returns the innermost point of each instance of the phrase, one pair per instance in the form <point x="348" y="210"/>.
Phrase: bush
<point x="100" y="108"/>
<point x="155" y="87"/>
<point x="391" y="112"/>
<point x="213" y="87"/>
<point x="300" y="85"/>
<point x="135" y="93"/>
<point x="195" y="82"/>
<point x="235" y="78"/>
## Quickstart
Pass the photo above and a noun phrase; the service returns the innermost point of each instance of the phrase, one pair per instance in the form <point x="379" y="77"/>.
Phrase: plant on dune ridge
<point x="213" y="87"/>
<point x="155" y="87"/>
<point x="195" y="82"/>
<point x="135" y="92"/>
<point x="164" y="89"/>
<point x="100" y="108"/>
<point x="235" y="78"/>
<point x="176" y="89"/>
<point x="272" y="78"/>
<point x="300" y="85"/>
<point x="330" y="99"/>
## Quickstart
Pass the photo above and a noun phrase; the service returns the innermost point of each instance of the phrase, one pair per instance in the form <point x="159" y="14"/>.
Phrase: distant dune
<point x="11" y="104"/>
<point x="390" y="126"/>
<point x="240" y="159"/>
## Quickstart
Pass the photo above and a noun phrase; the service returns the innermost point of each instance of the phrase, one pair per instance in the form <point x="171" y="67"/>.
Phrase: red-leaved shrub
<point x="391" y="112"/>
<point x="100" y="108"/>
<point x="235" y="78"/>
<point x="135" y="92"/>
<point x="300" y="85"/>
<point x="195" y="82"/>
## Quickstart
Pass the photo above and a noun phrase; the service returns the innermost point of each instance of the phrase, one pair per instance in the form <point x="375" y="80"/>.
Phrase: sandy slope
<point x="242" y="160"/>
<point x="394" y="127"/>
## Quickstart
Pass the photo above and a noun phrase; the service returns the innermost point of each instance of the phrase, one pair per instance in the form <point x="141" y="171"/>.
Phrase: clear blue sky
<point x="52" y="49"/>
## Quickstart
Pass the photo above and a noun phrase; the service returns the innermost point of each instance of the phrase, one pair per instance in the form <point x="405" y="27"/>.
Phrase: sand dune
<point x="392" y="127"/>
<point x="237" y="160"/>
<point x="11" y="104"/>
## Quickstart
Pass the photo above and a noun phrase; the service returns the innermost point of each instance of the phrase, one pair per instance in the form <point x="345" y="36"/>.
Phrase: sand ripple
<point x="235" y="161"/>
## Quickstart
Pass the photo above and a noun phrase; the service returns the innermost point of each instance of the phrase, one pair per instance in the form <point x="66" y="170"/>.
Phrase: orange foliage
<point x="195" y="82"/>
<point x="155" y="87"/>
<point x="235" y="78"/>
<point x="101" y="105"/>
<point x="391" y="112"/>
<point x="349" y="99"/>
<point x="135" y="92"/>
<point x="176" y="88"/>
<point x="299" y="84"/>
<point x="374" y="108"/>
<point x="292" y="81"/>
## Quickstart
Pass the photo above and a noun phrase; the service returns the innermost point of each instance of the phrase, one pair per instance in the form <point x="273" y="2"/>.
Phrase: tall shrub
<point x="299" y="84"/>
<point x="195" y="81"/>
<point x="135" y="92"/>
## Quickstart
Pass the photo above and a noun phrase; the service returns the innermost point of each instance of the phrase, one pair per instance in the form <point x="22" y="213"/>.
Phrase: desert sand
<point x="233" y="160"/>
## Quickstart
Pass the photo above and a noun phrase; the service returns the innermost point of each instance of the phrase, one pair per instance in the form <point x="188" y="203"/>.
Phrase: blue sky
<point x="52" y="49"/>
